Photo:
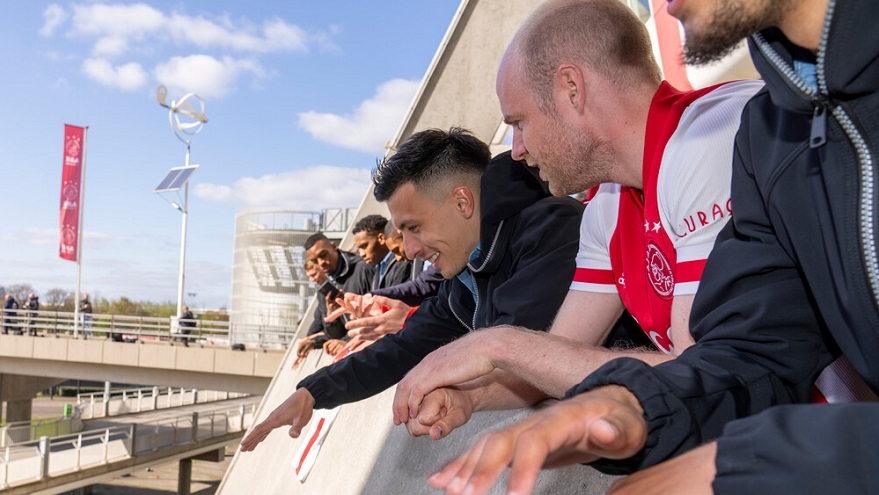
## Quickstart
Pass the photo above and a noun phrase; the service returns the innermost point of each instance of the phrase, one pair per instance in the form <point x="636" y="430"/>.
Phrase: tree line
<point x="58" y="299"/>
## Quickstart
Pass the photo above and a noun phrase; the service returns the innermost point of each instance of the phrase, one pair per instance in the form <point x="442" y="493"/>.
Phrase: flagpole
<point x="79" y="234"/>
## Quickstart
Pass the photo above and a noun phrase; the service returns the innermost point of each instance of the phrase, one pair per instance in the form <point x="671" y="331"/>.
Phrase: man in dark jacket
<point x="791" y="286"/>
<point x="10" y="306"/>
<point x="504" y="245"/>
<point x="370" y="241"/>
<point x="350" y="274"/>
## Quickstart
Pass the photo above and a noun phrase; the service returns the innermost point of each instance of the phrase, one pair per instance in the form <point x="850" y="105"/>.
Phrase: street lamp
<point x="186" y="121"/>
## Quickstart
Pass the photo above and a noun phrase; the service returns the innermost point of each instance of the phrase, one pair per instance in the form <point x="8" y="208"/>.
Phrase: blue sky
<point x="301" y="98"/>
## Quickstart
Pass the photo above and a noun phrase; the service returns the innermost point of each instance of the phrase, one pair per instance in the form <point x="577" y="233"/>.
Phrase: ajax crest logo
<point x="659" y="272"/>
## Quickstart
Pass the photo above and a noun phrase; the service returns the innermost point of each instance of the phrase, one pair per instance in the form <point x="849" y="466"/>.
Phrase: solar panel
<point x="175" y="179"/>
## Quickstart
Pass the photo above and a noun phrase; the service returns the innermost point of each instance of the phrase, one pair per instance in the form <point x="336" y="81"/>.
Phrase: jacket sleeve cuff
<point x="640" y="379"/>
<point x="322" y="398"/>
<point x="411" y="310"/>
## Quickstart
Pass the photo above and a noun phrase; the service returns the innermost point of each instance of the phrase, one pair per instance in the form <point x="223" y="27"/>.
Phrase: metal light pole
<point x="178" y="113"/>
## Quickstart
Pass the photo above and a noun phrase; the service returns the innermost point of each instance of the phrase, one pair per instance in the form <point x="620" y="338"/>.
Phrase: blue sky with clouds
<point x="301" y="98"/>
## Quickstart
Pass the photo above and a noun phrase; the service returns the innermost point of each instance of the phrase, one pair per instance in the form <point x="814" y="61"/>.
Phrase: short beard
<point x="589" y="162"/>
<point x="728" y="26"/>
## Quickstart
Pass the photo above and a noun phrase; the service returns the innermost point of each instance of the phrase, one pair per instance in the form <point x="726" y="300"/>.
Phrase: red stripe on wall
<point x="311" y="441"/>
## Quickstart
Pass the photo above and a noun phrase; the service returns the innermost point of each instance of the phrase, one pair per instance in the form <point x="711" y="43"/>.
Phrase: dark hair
<point x="371" y="224"/>
<point x="390" y="230"/>
<point x="313" y="239"/>
<point x="429" y="155"/>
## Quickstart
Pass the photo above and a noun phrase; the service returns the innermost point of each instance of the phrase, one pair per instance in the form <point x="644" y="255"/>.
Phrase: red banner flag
<point x="71" y="178"/>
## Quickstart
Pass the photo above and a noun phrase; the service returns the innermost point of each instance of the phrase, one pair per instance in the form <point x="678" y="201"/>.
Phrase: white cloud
<point x="371" y="125"/>
<point x="127" y="77"/>
<point x="141" y="32"/>
<point x="205" y="75"/>
<point x="53" y="16"/>
<point x="276" y="36"/>
<point x="110" y="46"/>
<point x="118" y="28"/>
<point x="307" y="189"/>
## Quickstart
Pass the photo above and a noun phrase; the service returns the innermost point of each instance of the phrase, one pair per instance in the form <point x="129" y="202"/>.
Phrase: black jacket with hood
<point x="352" y="275"/>
<point x="529" y="242"/>
<point x="792" y="282"/>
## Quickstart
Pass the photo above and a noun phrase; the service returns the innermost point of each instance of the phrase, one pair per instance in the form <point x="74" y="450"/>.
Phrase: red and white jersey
<point x="651" y="245"/>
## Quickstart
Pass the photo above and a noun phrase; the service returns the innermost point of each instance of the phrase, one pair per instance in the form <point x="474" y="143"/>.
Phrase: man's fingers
<point x="366" y="333"/>
<point x="295" y="431"/>
<point x="414" y="402"/>
<point x="416" y="428"/>
<point x="480" y="471"/>
<point x="453" y="420"/>
<point x="254" y="438"/>
<point x="335" y="314"/>
<point x="298" y="361"/>
<point x="368" y="321"/>
<point x="444" y="476"/>
<point x="528" y="459"/>
<point x="400" y="405"/>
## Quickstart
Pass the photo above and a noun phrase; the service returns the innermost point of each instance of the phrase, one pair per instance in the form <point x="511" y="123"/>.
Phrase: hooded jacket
<point x="528" y="240"/>
<point x="791" y="284"/>
<point x="352" y="275"/>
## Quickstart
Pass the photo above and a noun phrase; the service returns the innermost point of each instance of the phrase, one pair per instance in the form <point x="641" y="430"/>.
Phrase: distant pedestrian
<point x="186" y="324"/>
<point x="10" y="308"/>
<point x="32" y="305"/>
<point x="85" y="307"/>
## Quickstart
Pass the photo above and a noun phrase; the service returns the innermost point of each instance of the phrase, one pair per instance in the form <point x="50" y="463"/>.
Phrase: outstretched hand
<point x="356" y="305"/>
<point x="295" y="412"/>
<point x="334" y="346"/>
<point x="455" y="363"/>
<point x="303" y="347"/>
<point x="383" y="316"/>
<point x="605" y="422"/>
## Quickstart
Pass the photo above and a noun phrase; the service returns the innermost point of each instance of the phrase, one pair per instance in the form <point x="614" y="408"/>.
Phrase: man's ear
<point x="465" y="201"/>
<point x="380" y="237"/>
<point x="333" y="243"/>
<point x="570" y="88"/>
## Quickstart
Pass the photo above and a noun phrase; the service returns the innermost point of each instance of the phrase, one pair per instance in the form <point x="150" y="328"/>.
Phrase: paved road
<point x="162" y="479"/>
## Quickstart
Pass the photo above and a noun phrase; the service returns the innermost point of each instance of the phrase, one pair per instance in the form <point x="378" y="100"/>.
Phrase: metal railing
<point x="135" y="400"/>
<point x="94" y="405"/>
<point x="40" y="459"/>
<point x="24" y="431"/>
<point x="131" y="328"/>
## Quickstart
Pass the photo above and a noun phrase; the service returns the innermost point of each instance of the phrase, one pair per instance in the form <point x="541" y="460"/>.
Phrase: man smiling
<point x="505" y="246"/>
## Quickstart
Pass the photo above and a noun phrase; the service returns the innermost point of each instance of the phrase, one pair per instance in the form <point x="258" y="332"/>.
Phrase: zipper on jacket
<point x="867" y="211"/>
<point x="819" y="119"/>
<point x="786" y="70"/>
<point x="452" y="309"/>
<point x="866" y="220"/>
<point x="473" y="269"/>
<point x="818" y="136"/>
<point x="488" y="255"/>
<point x="476" y="295"/>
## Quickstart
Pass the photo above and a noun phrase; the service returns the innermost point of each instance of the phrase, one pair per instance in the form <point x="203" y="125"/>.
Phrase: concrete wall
<point x="364" y="453"/>
<point x="248" y="371"/>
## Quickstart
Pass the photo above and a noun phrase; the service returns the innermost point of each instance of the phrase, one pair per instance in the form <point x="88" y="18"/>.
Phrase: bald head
<point x="603" y="36"/>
